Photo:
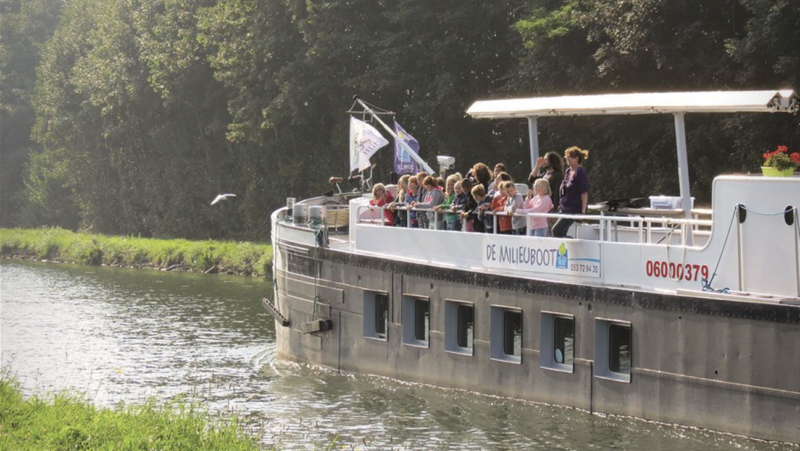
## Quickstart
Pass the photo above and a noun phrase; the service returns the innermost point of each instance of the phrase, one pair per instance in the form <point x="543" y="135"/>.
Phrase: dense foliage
<point x="146" y="109"/>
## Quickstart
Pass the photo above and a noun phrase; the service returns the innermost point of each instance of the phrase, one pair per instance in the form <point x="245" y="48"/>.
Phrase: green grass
<point x="90" y="249"/>
<point x="65" y="422"/>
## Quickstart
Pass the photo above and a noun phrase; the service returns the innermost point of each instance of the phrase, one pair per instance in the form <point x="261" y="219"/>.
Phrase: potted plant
<point x="780" y="163"/>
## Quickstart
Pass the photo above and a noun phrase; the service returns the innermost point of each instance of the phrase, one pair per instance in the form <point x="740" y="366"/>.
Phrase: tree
<point x="24" y="27"/>
<point x="658" y="45"/>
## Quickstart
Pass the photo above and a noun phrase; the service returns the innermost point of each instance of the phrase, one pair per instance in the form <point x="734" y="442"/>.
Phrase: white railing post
<point x="797" y="245"/>
<point x="641" y="229"/>
<point x="739" y="209"/>
<point x="603" y="224"/>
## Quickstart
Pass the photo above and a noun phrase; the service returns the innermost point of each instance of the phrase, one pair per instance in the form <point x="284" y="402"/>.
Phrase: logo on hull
<point x="562" y="258"/>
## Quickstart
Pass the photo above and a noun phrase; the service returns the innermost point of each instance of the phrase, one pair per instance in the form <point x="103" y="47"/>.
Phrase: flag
<point x="365" y="140"/>
<point x="403" y="163"/>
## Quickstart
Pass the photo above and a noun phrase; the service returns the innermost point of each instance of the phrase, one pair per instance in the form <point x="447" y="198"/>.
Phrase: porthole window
<point x="376" y="315"/>
<point x="557" y="341"/>
<point x="416" y="321"/>
<point x="613" y="349"/>
<point x="459" y="327"/>
<point x="506" y="334"/>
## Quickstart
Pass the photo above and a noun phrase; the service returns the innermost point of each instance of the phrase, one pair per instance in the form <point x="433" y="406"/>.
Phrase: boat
<point x="664" y="313"/>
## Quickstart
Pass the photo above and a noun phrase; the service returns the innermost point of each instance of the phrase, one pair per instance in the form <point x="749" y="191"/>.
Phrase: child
<point x="411" y="197"/>
<point x="513" y="202"/>
<point x="499" y="178"/>
<point x="422" y="217"/>
<point x="539" y="204"/>
<point x="498" y="206"/>
<point x="446" y="206"/>
<point x="401" y="216"/>
<point x="468" y="213"/>
<point x="484" y="202"/>
<point x="459" y="205"/>
<point x="433" y="197"/>
<point x="381" y="197"/>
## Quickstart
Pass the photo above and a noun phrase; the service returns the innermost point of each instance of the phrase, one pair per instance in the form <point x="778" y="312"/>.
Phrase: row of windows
<point x="612" y="344"/>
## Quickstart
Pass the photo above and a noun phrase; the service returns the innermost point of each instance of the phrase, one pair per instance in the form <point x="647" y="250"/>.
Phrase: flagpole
<point x="394" y="135"/>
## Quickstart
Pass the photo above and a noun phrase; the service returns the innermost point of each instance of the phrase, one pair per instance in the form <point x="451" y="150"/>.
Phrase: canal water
<point x="129" y="335"/>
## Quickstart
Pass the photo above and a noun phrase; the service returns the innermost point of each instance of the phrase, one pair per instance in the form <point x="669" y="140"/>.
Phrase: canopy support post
<point x="683" y="173"/>
<point x="533" y="137"/>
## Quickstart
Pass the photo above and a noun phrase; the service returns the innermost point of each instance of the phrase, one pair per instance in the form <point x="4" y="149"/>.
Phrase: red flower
<point x="781" y="159"/>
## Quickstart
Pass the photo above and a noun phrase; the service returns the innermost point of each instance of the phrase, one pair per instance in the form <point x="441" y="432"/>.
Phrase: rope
<point x="707" y="282"/>
<point x="669" y="260"/>
<point x="781" y="213"/>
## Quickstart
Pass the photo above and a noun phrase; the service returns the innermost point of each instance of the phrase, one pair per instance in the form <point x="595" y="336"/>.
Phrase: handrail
<point x="382" y="209"/>
<point x="644" y="224"/>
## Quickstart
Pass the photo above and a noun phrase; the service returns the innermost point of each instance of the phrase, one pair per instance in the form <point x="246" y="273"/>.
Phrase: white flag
<point x="365" y="140"/>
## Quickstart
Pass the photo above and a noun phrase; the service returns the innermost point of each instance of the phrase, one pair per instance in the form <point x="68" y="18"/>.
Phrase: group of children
<point x="460" y="203"/>
<point x="509" y="207"/>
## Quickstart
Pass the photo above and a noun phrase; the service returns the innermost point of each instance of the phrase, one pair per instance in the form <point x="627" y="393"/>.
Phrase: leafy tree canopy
<point x="143" y="110"/>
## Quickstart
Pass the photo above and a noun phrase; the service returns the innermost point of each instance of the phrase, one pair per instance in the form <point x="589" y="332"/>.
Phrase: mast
<point x="391" y="132"/>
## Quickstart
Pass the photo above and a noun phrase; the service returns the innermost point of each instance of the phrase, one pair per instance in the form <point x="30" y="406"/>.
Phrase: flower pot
<point x="772" y="172"/>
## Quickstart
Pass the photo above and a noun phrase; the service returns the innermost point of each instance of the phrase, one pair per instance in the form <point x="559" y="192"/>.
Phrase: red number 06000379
<point x="676" y="271"/>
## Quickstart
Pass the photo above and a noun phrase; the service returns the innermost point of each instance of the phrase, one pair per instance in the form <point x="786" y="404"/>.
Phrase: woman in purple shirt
<point x="574" y="190"/>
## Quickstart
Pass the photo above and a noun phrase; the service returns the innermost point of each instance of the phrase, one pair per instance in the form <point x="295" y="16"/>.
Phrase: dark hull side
<point x="713" y="363"/>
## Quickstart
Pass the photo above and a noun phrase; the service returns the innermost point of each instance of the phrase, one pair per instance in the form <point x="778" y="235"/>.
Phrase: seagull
<point x="222" y="197"/>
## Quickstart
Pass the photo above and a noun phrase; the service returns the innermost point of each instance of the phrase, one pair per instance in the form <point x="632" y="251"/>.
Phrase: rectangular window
<point x="421" y="319"/>
<point x="466" y="326"/>
<point x="619" y="349"/>
<point x="564" y="340"/>
<point x="415" y="314"/>
<point x="512" y="333"/>
<point x="459" y="327"/>
<point x="381" y="315"/>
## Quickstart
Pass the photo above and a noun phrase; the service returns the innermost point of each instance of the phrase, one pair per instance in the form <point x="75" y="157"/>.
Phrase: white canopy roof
<point x="647" y="103"/>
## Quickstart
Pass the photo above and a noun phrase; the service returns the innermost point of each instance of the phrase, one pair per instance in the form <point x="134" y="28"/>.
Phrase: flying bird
<point x="222" y="197"/>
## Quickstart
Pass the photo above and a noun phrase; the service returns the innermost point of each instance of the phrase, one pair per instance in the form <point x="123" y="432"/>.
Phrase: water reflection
<point x="125" y="335"/>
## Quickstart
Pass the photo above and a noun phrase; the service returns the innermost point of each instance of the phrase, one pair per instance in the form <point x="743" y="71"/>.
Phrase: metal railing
<point x="642" y="225"/>
<point x="382" y="215"/>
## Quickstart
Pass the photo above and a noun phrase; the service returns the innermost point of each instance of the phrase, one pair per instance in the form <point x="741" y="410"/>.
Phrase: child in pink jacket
<point x="541" y="203"/>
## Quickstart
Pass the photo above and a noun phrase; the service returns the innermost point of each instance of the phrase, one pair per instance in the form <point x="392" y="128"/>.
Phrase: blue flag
<point x="403" y="163"/>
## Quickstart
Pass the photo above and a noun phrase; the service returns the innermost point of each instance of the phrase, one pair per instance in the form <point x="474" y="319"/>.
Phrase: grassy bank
<point x="65" y="422"/>
<point x="55" y="244"/>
